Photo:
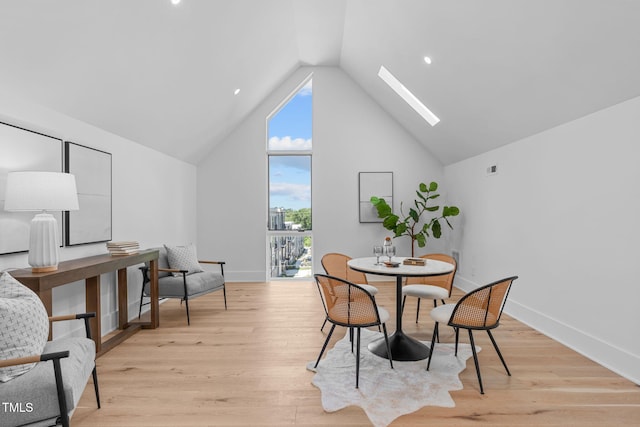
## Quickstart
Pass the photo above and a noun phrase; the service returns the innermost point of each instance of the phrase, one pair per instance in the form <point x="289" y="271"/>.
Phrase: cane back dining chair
<point x="431" y="287"/>
<point x="479" y="309"/>
<point x="350" y="305"/>
<point x="335" y="264"/>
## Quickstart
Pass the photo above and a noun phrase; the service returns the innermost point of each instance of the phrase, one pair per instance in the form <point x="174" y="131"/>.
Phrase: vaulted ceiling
<point x="165" y="75"/>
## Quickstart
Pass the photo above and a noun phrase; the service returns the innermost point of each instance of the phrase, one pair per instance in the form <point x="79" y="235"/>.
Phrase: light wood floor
<point x="246" y="367"/>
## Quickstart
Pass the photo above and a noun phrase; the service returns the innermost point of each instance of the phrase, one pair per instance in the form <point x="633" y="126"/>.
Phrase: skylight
<point x="409" y="97"/>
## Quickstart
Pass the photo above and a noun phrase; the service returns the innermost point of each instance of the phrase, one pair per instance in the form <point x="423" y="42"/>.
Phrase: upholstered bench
<point x="180" y="275"/>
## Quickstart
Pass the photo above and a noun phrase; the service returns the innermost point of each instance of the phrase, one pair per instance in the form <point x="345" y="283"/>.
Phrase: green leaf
<point x="421" y="239"/>
<point x="437" y="229"/>
<point x="421" y="196"/>
<point x="401" y="228"/>
<point x="414" y="215"/>
<point x="384" y="210"/>
<point x="374" y="200"/>
<point x="450" y="211"/>
<point x="423" y="187"/>
<point x="434" y="196"/>
<point x="433" y="208"/>
<point x="433" y="186"/>
<point x="390" y="222"/>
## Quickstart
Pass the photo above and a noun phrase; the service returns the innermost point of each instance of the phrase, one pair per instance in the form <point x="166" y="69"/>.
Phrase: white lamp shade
<point x="41" y="191"/>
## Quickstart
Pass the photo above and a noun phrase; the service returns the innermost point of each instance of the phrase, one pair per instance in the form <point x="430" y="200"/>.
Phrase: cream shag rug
<point x="385" y="393"/>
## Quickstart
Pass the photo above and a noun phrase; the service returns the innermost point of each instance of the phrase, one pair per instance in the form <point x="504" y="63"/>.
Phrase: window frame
<point x="271" y="233"/>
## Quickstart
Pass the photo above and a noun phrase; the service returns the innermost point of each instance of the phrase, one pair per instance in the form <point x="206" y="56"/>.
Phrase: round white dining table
<point x="403" y="347"/>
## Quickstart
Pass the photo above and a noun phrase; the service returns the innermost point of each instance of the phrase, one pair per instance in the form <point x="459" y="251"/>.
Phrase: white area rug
<point x="385" y="393"/>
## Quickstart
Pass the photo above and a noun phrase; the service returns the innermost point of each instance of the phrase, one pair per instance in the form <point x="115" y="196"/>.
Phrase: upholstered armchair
<point x="41" y="381"/>
<point x="180" y="275"/>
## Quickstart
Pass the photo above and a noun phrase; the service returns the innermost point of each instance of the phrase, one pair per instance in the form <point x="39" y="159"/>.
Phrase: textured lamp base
<point x="43" y="243"/>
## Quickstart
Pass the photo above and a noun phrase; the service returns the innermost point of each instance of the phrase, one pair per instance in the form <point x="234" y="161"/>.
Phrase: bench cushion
<point x="38" y="386"/>
<point x="197" y="284"/>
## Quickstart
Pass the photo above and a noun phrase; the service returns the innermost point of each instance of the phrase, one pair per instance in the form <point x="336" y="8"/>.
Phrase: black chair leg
<point x="386" y="340"/>
<point x="495" y="345"/>
<point x="325" y="345"/>
<point x="95" y="385"/>
<point x="186" y="303"/>
<point x="186" y="296"/>
<point x="140" y="309"/>
<point x="433" y="344"/>
<point x="435" y="304"/>
<point x="358" y="359"/>
<point x="224" y="292"/>
<point x="418" y="310"/>
<point x="143" y="270"/>
<point x="457" y="339"/>
<point x="475" y="360"/>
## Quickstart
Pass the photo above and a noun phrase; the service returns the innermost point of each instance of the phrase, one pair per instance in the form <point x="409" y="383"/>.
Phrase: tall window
<point x="289" y="144"/>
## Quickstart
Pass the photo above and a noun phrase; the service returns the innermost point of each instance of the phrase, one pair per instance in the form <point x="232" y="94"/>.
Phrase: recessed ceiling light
<point x="427" y="60"/>
<point x="237" y="91"/>
<point x="409" y="97"/>
<point x="175" y="2"/>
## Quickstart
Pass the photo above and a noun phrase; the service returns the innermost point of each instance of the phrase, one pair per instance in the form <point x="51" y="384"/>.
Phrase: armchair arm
<point x="220" y="263"/>
<point x="145" y="272"/>
<point x="84" y="316"/>
<point x="71" y="317"/>
<point x="172" y="270"/>
<point x="33" y="359"/>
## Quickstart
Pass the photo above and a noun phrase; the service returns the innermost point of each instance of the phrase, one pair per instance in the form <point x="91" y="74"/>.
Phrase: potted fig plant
<point x="410" y="225"/>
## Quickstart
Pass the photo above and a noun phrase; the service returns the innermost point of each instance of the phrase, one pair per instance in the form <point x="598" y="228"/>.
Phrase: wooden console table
<point x="89" y="269"/>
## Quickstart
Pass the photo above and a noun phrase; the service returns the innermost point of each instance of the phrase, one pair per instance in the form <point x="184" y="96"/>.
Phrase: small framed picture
<point x="379" y="184"/>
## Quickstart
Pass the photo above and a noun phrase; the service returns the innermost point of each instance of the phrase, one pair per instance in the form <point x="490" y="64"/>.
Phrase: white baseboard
<point x="610" y="356"/>
<point x="245" y="276"/>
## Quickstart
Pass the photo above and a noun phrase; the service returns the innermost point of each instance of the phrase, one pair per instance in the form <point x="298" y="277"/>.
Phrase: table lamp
<point x="42" y="191"/>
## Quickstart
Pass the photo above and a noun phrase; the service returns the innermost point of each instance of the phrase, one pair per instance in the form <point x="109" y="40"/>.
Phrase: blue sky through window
<point x="290" y="129"/>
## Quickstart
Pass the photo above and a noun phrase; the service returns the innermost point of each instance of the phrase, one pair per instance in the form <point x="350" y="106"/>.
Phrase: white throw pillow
<point x="183" y="258"/>
<point x="24" y="325"/>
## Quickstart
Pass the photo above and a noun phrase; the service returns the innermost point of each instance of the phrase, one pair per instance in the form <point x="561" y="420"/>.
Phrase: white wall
<point x="562" y="213"/>
<point x="351" y="134"/>
<point x="153" y="198"/>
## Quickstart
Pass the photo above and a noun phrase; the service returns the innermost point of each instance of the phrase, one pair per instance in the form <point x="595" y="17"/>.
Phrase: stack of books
<point x="123" y="248"/>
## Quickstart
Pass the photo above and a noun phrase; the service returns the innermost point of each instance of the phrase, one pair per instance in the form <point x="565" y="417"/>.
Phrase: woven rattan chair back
<point x="479" y="309"/>
<point x="444" y="281"/>
<point x="347" y="304"/>
<point x="482" y="308"/>
<point x="350" y="305"/>
<point x="335" y="264"/>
